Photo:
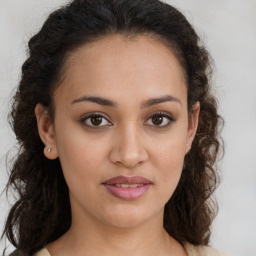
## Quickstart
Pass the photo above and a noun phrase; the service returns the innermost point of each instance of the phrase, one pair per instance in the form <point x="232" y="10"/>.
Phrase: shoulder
<point x="43" y="252"/>
<point x="201" y="250"/>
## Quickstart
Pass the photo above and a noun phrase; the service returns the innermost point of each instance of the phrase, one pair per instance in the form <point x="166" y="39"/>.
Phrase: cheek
<point x="168" y="160"/>
<point x="170" y="150"/>
<point x="80" y="156"/>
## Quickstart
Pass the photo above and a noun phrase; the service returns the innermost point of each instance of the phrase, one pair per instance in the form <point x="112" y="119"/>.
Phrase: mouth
<point x="127" y="188"/>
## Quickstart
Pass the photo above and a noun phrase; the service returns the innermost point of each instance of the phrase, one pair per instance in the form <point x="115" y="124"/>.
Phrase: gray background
<point x="228" y="27"/>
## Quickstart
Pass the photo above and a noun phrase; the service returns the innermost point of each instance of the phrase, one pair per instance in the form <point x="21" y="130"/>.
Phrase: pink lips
<point x="127" y="188"/>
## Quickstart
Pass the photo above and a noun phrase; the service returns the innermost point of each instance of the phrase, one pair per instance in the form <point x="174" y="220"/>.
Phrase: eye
<point x="160" y="119"/>
<point x="95" y="120"/>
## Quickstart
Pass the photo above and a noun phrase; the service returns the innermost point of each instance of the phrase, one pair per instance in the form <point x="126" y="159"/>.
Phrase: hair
<point x="42" y="212"/>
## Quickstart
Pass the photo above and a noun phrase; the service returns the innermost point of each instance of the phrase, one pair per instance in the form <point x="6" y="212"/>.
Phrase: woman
<point x="118" y="133"/>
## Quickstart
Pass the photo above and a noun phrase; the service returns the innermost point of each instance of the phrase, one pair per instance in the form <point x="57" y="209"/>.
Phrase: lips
<point x="127" y="188"/>
<point x="127" y="180"/>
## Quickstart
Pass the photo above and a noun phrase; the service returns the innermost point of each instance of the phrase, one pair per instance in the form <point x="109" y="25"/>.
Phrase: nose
<point x="128" y="150"/>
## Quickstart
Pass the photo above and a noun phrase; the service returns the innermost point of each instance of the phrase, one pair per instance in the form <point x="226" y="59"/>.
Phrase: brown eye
<point x="160" y="120"/>
<point x="95" y="121"/>
<point x="157" y="120"/>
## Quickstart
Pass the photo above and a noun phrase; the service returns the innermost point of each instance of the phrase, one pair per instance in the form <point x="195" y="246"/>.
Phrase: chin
<point x="127" y="221"/>
<point x="128" y="216"/>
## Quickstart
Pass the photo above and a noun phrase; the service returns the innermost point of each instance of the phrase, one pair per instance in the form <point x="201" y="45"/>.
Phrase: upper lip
<point x="127" y="180"/>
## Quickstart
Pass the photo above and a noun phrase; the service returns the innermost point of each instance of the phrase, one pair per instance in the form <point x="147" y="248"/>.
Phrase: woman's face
<point x="121" y="110"/>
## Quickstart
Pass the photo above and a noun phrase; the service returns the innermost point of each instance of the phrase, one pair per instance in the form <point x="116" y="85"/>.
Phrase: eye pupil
<point x="157" y="120"/>
<point x="96" y="120"/>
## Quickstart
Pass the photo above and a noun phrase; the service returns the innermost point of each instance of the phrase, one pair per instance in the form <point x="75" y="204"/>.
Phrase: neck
<point x="89" y="236"/>
<point x="145" y="239"/>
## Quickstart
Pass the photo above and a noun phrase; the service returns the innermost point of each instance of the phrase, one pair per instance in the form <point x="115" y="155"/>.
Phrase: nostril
<point x="128" y="153"/>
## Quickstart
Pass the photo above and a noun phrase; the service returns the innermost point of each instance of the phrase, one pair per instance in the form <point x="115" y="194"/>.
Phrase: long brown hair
<point x="42" y="212"/>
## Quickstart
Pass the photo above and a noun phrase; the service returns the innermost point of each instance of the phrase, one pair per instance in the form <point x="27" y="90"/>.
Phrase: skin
<point x="128" y="142"/>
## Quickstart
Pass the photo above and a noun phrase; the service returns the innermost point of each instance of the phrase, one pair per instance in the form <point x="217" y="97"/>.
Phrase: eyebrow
<point x="155" y="101"/>
<point x="110" y="103"/>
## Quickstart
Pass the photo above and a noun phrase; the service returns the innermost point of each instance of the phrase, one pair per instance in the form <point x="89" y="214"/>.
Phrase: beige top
<point x="192" y="250"/>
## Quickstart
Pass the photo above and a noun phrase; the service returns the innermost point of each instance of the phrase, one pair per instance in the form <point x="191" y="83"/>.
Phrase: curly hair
<point x="42" y="212"/>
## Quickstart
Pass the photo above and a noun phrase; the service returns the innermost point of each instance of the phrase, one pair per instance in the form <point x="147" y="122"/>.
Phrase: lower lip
<point x="127" y="193"/>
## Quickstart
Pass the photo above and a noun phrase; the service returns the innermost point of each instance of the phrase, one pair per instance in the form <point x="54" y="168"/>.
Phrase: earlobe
<point x="192" y="125"/>
<point x="46" y="131"/>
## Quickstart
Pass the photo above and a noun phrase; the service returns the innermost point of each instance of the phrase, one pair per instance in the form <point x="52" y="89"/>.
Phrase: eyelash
<point x="158" y="114"/>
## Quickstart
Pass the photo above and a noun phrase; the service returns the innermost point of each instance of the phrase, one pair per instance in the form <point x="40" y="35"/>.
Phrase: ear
<point x="46" y="131"/>
<point x="192" y="125"/>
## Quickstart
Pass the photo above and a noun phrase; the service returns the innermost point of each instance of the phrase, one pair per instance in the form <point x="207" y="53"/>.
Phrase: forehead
<point x="118" y="66"/>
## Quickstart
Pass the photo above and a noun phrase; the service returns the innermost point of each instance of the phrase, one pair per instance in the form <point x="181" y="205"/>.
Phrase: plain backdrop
<point x="228" y="28"/>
